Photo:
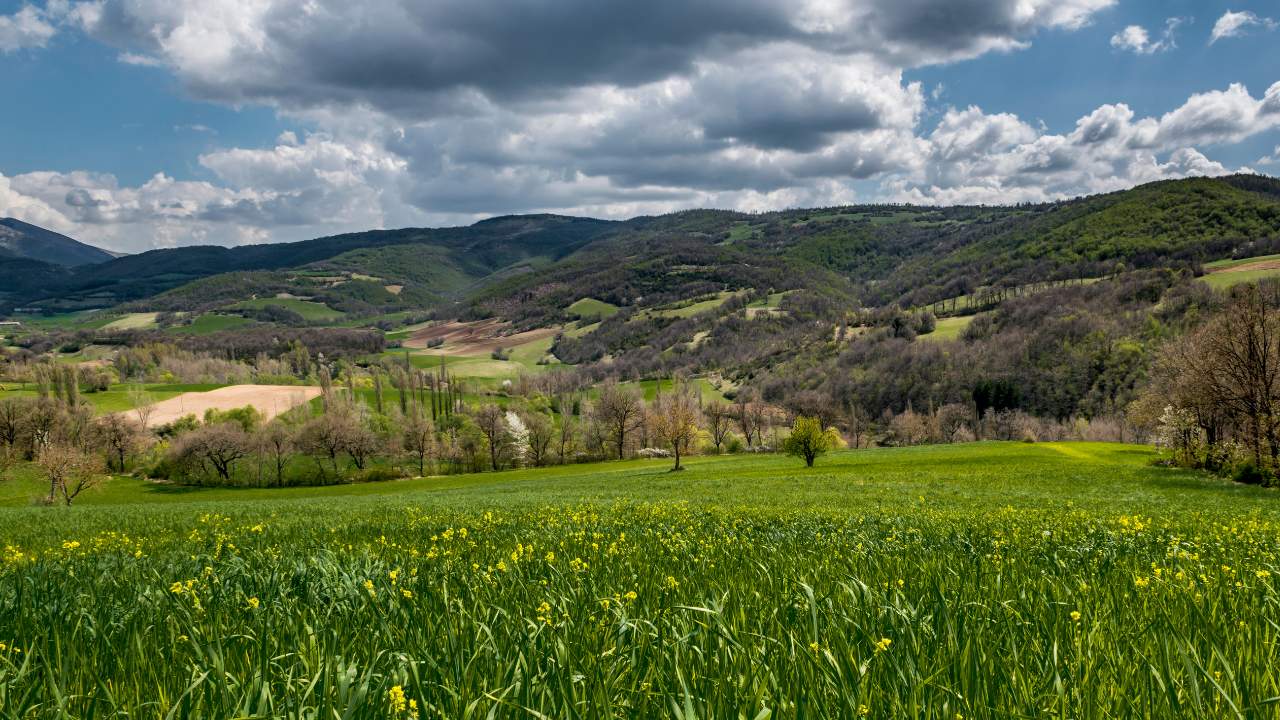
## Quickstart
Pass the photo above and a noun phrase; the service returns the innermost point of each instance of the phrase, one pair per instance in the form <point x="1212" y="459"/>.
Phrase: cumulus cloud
<point x="1235" y="24"/>
<point x="1136" y="39"/>
<point x="446" y="112"/>
<point x="27" y="28"/>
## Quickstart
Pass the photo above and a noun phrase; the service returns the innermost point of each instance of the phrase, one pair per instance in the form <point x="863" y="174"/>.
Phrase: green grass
<point x="688" y="309"/>
<point x="132" y="321"/>
<point x="311" y="311"/>
<point x="590" y="307"/>
<point x="211" y="323"/>
<point x="1224" y="264"/>
<point x="983" y="581"/>
<point x="950" y="328"/>
<point x="1224" y="280"/>
<point x="118" y="398"/>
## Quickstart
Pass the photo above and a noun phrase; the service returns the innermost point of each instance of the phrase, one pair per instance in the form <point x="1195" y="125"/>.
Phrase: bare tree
<point x="674" y="419"/>
<point x="492" y="423"/>
<point x="143" y="404"/>
<point x="420" y="439"/>
<point x="619" y="411"/>
<point x="327" y="435"/>
<point x="719" y="420"/>
<point x="217" y="447"/>
<point x="567" y="432"/>
<point x="758" y="413"/>
<point x="121" y="435"/>
<point x="277" y="442"/>
<point x="539" y="432"/>
<point x="70" y="471"/>
<point x="744" y="416"/>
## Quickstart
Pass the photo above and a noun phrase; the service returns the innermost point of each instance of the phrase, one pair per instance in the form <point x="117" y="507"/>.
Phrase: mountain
<point x="23" y="240"/>
<point x="530" y="269"/>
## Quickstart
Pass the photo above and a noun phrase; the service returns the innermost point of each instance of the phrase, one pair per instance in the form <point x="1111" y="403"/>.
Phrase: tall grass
<point x="515" y="601"/>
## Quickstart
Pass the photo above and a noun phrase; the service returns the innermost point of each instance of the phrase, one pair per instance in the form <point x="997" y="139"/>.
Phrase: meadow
<point x="991" y="580"/>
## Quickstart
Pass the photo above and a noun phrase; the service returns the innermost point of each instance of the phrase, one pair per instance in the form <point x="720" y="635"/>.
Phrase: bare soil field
<point x="479" y="338"/>
<point x="270" y="400"/>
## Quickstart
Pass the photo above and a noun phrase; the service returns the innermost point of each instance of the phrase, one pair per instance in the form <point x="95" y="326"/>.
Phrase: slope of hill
<point x="23" y="240"/>
<point x="531" y="269"/>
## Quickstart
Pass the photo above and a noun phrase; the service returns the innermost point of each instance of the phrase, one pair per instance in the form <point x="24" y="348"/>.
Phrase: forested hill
<point x="532" y="268"/>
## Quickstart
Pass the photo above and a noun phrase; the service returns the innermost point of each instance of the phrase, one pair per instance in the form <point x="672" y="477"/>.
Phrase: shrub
<point x="378" y="474"/>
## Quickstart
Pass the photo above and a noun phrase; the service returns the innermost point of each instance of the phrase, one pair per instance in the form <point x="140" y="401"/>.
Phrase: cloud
<point x="27" y="28"/>
<point x="1136" y="39"/>
<point x="1235" y="24"/>
<point x="445" y="112"/>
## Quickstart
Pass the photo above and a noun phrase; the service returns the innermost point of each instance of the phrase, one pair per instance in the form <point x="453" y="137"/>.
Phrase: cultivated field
<point x="270" y="400"/>
<point x="979" y="581"/>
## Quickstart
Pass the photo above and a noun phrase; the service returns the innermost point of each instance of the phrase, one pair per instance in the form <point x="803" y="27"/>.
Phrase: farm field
<point x="1227" y="273"/>
<point x="311" y="311"/>
<point x="989" y="580"/>
<point x="120" y="397"/>
<point x="269" y="400"/>
<point x="949" y="328"/>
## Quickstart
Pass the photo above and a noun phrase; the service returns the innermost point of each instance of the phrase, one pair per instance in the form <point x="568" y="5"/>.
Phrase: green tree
<point x="808" y="440"/>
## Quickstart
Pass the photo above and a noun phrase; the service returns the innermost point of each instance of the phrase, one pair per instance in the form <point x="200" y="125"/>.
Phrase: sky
<point x="141" y="124"/>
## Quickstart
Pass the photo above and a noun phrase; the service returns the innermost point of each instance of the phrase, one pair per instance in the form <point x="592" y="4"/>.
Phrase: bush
<point x="1250" y="474"/>
<point x="378" y="474"/>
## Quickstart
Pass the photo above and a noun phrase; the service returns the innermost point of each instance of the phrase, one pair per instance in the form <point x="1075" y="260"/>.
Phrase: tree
<point x="143" y="404"/>
<point x="539" y="432"/>
<point x="420" y="439"/>
<point x="674" y="419"/>
<point x="327" y="436"/>
<point x="567" y="432"/>
<point x="69" y="470"/>
<point x="491" y="420"/>
<point x="217" y="447"/>
<point x="121" y="435"/>
<point x="719" y="419"/>
<point x="808" y="440"/>
<point x="619" y="411"/>
<point x="743" y="414"/>
<point x="277" y="442"/>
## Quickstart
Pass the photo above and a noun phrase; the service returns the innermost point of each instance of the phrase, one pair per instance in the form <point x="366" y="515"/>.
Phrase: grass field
<point x="949" y="328"/>
<point x="590" y="307"/>
<point x="132" y="321"/>
<point x="211" y="323"/>
<point x="979" y="581"/>
<point x="311" y="311"/>
<point x="120" y="397"/>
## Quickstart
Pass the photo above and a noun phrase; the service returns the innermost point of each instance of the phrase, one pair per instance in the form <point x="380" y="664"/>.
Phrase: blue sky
<point x="152" y="124"/>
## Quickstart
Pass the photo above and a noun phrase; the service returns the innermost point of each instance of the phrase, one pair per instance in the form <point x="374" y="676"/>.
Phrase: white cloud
<point x="1136" y="39"/>
<point x="27" y="28"/>
<point x="1235" y="24"/>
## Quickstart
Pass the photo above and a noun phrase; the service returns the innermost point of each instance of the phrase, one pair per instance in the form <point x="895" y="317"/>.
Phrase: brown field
<point x="1249" y="267"/>
<point x="270" y="400"/>
<point x="480" y="337"/>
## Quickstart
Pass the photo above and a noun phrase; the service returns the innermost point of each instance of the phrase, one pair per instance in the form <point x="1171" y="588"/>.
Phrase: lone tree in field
<point x="808" y="440"/>
<point x="674" y="420"/>
<point x="70" y="471"/>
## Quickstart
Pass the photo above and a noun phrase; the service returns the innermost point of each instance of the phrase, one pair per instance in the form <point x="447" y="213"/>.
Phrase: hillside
<point x="23" y="240"/>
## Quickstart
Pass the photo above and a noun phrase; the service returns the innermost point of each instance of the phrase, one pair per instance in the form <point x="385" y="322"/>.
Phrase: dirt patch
<point x="478" y="338"/>
<point x="270" y="400"/>
<point x="1250" y="267"/>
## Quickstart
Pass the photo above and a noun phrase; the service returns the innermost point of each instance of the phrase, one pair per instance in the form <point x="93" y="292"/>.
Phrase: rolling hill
<point x="23" y="240"/>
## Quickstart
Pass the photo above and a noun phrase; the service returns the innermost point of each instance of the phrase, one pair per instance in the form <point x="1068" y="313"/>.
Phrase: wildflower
<point x="1263" y="574"/>
<point x="883" y="644"/>
<point x="176" y="588"/>
<point x="393" y="575"/>
<point x="408" y="594"/>
<point x="368" y="587"/>
<point x="1075" y="616"/>
<point x="863" y="711"/>
<point x="1141" y="582"/>
<point x="253" y="603"/>
<point x="551" y="557"/>
<point x="400" y="705"/>
<point x="70" y="545"/>
<point x="630" y="596"/>
<point x="815" y="648"/>
<point x="672" y="583"/>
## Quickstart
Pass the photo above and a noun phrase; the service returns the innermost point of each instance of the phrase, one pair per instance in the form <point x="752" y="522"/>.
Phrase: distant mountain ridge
<point x="529" y="268"/>
<point x="24" y="240"/>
